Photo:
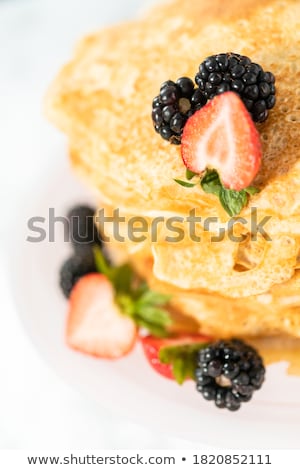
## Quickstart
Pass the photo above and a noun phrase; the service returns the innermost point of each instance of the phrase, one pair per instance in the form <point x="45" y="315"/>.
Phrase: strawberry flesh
<point x="95" y="325"/>
<point x="223" y="137"/>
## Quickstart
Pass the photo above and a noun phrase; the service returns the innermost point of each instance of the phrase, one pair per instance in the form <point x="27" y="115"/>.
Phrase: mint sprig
<point x="145" y="306"/>
<point x="147" y="311"/>
<point x="189" y="174"/>
<point x="183" y="359"/>
<point x="185" y="184"/>
<point x="232" y="201"/>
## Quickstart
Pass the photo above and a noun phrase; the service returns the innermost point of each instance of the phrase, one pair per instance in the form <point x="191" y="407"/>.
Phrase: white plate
<point x="270" y="420"/>
<point x="129" y="385"/>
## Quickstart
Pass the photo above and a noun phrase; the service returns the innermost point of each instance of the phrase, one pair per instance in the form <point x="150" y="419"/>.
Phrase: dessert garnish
<point x="226" y="372"/>
<point x="132" y="296"/>
<point x="83" y="231"/>
<point x="173" y="106"/>
<point x="178" y="101"/>
<point x="223" y="137"/>
<point x="84" y="236"/>
<point x="147" y="308"/>
<point x="95" y="323"/>
<point x="221" y="143"/>
<point x="222" y="151"/>
<point x="234" y="72"/>
<point x="73" y="269"/>
<point x="229" y="372"/>
<point x="232" y="201"/>
<point x="174" y="358"/>
<point x="107" y="307"/>
<point x="214" y="123"/>
<point x="110" y="307"/>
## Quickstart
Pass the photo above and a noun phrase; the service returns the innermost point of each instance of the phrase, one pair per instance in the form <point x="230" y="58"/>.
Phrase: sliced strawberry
<point x="152" y="346"/>
<point x="95" y="324"/>
<point x="223" y="137"/>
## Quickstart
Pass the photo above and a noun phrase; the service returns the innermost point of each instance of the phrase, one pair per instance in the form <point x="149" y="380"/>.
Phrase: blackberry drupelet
<point x="229" y="372"/>
<point x="233" y="72"/>
<point x="73" y="269"/>
<point x="83" y="232"/>
<point x="173" y="106"/>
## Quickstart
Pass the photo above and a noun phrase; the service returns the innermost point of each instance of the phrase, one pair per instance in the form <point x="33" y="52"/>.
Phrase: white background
<point x="37" y="409"/>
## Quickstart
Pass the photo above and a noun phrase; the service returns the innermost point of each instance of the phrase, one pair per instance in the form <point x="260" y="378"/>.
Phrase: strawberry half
<point x="223" y="137"/>
<point x="152" y="347"/>
<point x="95" y="324"/>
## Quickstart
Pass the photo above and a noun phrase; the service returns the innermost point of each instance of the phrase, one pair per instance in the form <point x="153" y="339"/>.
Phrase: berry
<point x="95" y="325"/>
<point x="83" y="231"/>
<point x="221" y="374"/>
<point x="233" y="72"/>
<point x="173" y="106"/>
<point x="73" y="269"/>
<point x="152" y="346"/>
<point x="223" y="136"/>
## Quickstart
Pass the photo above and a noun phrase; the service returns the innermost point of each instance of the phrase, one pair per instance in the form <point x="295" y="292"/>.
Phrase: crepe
<point x="276" y="311"/>
<point x="102" y="101"/>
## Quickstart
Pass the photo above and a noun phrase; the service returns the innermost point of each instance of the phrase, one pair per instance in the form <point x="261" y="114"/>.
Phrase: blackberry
<point x="228" y="372"/>
<point x="235" y="72"/>
<point x="73" y="269"/>
<point x="83" y="231"/>
<point x="173" y="106"/>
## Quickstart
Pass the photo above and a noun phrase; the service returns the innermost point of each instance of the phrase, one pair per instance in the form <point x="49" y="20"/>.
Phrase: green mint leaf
<point x="140" y="289"/>
<point x="153" y="298"/>
<point x="251" y="190"/>
<point x="185" y="183"/>
<point x="189" y="174"/>
<point x="169" y="353"/>
<point x="122" y="278"/>
<point x="184" y="368"/>
<point x="180" y="370"/>
<point x="211" y="183"/>
<point x="183" y="359"/>
<point x="126" y="305"/>
<point x="155" y="316"/>
<point x="149" y="313"/>
<point x="154" y="330"/>
<point x="101" y="263"/>
<point x="134" y="297"/>
<point x="233" y="201"/>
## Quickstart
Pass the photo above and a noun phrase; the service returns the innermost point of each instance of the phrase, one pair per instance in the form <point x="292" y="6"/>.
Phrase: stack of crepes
<point x="102" y="101"/>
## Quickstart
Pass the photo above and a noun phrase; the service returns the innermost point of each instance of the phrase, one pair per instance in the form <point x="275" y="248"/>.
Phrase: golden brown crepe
<point x="102" y="101"/>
